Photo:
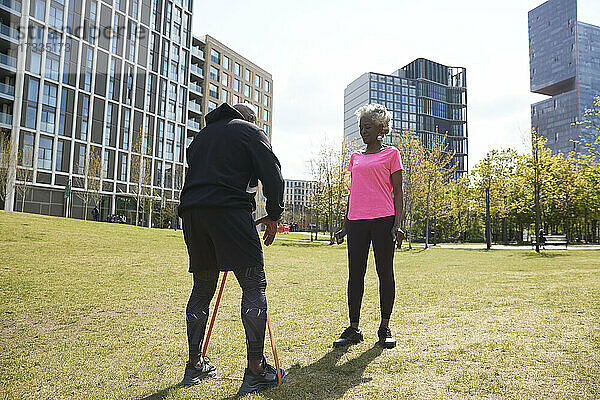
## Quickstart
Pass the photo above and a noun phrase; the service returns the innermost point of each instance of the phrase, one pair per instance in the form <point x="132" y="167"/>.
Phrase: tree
<point x="89" y="178"/>
<point x="141" y="171"/>
<point x="24" y="175"/>
<point x="590" y="138"/>
<point x="8" y="160"/>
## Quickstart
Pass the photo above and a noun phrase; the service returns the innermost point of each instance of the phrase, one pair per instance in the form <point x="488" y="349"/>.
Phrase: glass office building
<point x="564" y="57"/>
<point x="424" y="97"/>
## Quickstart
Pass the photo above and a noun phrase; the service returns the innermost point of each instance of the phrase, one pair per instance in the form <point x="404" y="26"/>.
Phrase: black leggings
<point x="360" y="235"/>
<point x="254" y="309"/>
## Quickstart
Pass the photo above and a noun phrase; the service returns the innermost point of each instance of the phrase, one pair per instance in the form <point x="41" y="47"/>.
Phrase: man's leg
<point x="205" y="284"/>
<point x="254" y="313"/>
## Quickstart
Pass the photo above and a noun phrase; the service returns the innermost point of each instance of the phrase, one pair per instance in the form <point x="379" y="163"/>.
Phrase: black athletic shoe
<point x="257" y="383"/>
<point x="385" y="337"/>
<point x="194" y="375"/>
<point x="350" y="336"/>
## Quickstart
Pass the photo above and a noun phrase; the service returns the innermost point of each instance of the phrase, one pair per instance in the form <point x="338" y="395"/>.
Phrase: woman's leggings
<point x="254" y="309"/>
<point x="360" y="235"/>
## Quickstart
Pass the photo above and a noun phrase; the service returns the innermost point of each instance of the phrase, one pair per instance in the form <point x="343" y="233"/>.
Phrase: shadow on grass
<point x="301" y="243"/>
<point x="323" y="378"/>
<point x="163" y="393"/>
<point x="543" y="254"/>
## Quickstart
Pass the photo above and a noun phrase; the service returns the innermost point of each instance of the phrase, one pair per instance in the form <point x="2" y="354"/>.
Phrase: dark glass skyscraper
<point x="564" y="57"/>
<point x="424" y="97"/>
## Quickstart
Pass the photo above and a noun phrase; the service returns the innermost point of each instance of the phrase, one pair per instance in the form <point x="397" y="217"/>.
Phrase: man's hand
<point x="271" y="230"/>
<point x="397" y="234"/>
<point x="339" y="235"/>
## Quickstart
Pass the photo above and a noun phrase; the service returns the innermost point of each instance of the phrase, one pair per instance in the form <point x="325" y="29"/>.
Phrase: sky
<point x="314" y="49"/>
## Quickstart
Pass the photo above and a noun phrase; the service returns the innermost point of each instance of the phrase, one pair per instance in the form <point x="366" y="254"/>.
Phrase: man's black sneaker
<point x="257" y="383"/>
<point x="194" y="375"/>
<point x="385" y="337"/>
<point x="351" y="335"/>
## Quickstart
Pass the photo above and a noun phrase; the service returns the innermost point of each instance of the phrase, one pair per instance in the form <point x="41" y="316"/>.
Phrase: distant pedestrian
<point x="542" y="237"/>
<point x="374" y="215"/>
<point x="95" y="213"/>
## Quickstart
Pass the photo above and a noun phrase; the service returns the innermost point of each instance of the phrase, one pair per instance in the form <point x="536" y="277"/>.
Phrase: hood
<point x="224" y="111"/>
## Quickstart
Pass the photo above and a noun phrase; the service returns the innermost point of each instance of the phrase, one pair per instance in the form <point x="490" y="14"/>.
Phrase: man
<point x="225" y="160"/>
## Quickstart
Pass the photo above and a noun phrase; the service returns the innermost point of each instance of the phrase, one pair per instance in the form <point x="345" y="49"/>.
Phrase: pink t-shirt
<point x="371" y="190"/>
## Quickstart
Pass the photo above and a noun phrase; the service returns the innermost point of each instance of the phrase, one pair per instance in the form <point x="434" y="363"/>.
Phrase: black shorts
<point x="221" y="238"/>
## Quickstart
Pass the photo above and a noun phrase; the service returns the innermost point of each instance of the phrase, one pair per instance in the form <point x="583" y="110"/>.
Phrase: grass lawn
<point x="96" y="310"/>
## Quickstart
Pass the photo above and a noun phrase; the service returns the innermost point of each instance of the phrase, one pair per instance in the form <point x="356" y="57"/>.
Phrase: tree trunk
<point x="488" y="228"/>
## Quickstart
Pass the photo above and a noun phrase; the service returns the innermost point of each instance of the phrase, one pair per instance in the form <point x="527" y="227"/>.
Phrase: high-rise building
<point x="95" y="79"/>
<point x="564" y="58"/>
<point x="424" y="97"/>
<point x="220" y="75"/>
<point x="120" y="82"/>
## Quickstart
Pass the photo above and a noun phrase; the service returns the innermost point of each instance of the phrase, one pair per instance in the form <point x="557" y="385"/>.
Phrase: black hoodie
<point x="225" y="159"/>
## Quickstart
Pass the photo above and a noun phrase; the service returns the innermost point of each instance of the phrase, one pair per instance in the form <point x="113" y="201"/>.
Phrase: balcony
<point x="8" y="33"/>
<point x="12" y="6"/>
<point x="8" y="62"/>
<point x="193" y="124"/>
<point x="197" y="52"/>
<point x="195" y="107"/>
<point x="195" y="88"/>
<point x="5" y="120"/>
<point x="196" y="70"/>
<point x="7" y="91"/>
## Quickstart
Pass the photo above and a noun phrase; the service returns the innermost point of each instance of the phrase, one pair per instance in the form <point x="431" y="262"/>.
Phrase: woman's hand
<point x="397" y="234"/>
<point x="339" y="235"/>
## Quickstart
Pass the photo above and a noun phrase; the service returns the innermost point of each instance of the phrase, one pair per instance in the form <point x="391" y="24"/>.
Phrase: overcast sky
<point x="314" y="49"/>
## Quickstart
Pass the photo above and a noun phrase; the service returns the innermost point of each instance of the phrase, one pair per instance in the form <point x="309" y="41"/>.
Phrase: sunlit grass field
<point x="96" y="310"/>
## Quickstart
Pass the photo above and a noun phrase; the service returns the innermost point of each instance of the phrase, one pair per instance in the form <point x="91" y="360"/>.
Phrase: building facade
<point x="103" y="80"/>
<point x="114" y="83"/>
<point x="424" y="97"/>
<point x="564" y="58"/>
<point x="297" y="199"/>
<point x="220" y="75"/>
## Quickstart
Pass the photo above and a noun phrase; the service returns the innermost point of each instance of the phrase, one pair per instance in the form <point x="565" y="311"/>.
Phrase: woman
<point x="374" y="215"/>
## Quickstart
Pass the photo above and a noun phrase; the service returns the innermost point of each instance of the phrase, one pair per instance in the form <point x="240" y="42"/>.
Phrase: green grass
<point x="96" y="310"/>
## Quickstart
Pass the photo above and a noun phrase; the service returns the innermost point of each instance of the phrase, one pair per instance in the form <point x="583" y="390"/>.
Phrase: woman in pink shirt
<point x="374" y="216"/>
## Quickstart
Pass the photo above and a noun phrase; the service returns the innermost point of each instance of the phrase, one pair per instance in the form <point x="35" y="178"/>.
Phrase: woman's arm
<point x="397" y="233"/>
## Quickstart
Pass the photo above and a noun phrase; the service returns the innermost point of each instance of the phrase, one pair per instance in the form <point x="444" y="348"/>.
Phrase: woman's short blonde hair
<point x="376" y="113"/>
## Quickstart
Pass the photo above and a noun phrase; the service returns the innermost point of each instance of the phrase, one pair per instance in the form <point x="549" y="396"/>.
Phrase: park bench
<point x="552" y="240"/>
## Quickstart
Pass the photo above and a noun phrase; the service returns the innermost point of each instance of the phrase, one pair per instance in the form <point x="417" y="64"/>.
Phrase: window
<point x="182" y="66"/>
<point x="38" y="9"/>
<point x="215" y="56"/>
<point x="85" y="115"/>
<point x="125" y="123"/>
<point x="131" y="41"/>
<point x="53" y="46"/>
<point x="257" y="81"/>
<point x="247" y="75"/>
<point x="59" y="156"/>
<point x="214" y="74"/>
<point x="115" y="36"/>
<point x="55" y="18"/>
<point x="256" y="96"/>
<point x="108" y="127"/>
<point x="236" y="69"/>
<point x="31" y="103"/>
<point x="80" y="163"/>
<point x="266" y="100"/>
<point x="178" y="145"/>
<point x="224" y="95"/>
<point x="168" y="175"/>
<point x="160" y="137"/>
<point x="225" y="79"/>
<point x="91" y="37"/>
<point x="86" y="80"/>
<point x="174" y="63"/>
<point x="167" y="26"/>
<point x="122" y="176"/>
<point x="48" y="108"/>
<point x="246" y="90"/>
<point x="211" y="105"/>
<point x="105" y="164"/>
<point x="27" y="160"/>
<point x="170" y="141"/>
<point x="172" y="101"/>
<point x="65" y="121"/>
<point x="176" y="34"/>
<point x="111" y="81"/>
<point x="267" y="86"/>
<point x="226" y="63"/>
<point x="158" y="173"/>
<point x="165" y="65"/>
<point x="236" y="85"/>
<point x="265" y="115"/>
<point x="181" y="104"/>
<point x="213" y="91"/>
<point x="45" y="153"/>
<point x="235" y="99"/>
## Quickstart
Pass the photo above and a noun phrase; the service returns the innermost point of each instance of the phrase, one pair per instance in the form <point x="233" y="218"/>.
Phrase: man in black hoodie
<point x="225" y="160"/>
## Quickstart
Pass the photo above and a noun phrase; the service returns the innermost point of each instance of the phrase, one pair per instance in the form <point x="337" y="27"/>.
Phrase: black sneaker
<point x="257" y="383"/>
<point x="385" y="337"/>
<point x="194" y="375"/>
<point x="350" y="336"/>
